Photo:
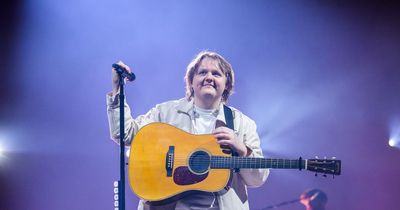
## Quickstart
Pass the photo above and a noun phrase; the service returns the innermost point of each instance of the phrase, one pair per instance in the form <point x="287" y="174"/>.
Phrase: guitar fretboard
<point x="247" y="162"/>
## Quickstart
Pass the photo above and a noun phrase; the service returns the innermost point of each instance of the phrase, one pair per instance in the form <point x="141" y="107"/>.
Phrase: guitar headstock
<point x="324" y="166"/>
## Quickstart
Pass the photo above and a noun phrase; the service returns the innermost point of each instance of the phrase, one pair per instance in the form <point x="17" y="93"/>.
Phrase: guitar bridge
<point x="169" y="161"/>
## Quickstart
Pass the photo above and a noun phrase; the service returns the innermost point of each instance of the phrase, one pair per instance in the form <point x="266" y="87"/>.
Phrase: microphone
<point x="123" y="72"/>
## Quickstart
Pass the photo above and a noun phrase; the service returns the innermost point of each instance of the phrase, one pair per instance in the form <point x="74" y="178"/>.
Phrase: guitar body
<point x="159" y="163"/>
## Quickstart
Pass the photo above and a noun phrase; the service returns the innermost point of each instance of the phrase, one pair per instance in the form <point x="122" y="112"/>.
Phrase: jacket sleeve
<point x="248" y="133"/>
<point x="131" y="125"/>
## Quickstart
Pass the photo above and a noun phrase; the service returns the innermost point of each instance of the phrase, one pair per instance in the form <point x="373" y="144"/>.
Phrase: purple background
<point x="319" y="78"/>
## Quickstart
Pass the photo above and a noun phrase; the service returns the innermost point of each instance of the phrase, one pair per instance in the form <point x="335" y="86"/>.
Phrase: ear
<point x="225" y="94"/>
<point x="227" y="84"/>
<point x="191" y="91"/>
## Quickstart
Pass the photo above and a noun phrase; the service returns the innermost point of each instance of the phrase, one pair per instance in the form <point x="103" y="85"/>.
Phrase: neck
<point x="207" y="103"/>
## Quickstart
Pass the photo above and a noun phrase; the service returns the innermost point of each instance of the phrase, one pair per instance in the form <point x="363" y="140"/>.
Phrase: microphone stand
<point x="121" y="184"/>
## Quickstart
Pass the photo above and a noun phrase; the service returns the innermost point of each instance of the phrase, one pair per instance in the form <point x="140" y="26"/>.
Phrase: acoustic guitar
<point x="165" y="162"/>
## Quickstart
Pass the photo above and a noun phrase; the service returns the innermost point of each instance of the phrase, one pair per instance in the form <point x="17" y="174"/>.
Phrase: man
<point x="209" y="83"/>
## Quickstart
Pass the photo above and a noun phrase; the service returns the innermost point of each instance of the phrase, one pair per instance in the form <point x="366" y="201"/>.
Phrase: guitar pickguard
<point x="183" y="176"/>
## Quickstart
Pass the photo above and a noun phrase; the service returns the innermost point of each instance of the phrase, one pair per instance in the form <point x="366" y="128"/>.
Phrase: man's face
<point x="209" y="81"/>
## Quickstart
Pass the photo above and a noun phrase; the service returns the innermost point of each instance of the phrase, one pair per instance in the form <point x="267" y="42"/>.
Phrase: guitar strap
<point x="228" y="117"/>
<point x="229" y="123"/>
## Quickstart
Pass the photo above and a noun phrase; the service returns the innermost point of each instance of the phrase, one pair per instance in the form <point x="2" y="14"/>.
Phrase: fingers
<point x="220" y="136"/>
<point x="228" y="141"/>
<point x="122" y="64"/>
<point x="223" y="133"/>
<point x="115" y="77"/>
<point x="223" y="146"/>
<point x="222" y="129"/>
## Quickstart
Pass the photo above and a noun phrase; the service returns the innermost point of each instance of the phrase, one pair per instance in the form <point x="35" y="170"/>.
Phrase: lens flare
<point x="392" y="142"/>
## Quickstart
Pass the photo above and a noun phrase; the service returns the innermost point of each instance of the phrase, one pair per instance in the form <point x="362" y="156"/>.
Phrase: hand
<point x="115" y="77"/>
<point x="227" y="137"/>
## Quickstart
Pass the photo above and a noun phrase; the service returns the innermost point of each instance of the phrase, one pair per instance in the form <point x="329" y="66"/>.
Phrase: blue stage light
<point x="2" y="149"/>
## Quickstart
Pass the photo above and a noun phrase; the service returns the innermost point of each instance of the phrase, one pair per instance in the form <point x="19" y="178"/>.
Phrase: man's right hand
<point x="115" y="78"/>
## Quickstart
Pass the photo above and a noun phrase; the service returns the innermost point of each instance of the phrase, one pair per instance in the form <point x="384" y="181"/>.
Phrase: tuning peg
<point x="316" y="157"/>
<point x="334" y="158"/>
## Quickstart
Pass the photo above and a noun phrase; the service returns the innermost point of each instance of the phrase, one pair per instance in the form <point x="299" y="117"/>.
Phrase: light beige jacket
<point x="180" y="114"/>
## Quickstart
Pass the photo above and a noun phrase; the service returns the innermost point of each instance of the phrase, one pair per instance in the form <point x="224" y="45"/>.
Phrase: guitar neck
<point x="251" y="162"/>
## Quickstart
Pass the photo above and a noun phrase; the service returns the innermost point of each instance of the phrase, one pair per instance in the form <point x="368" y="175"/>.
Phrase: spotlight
<point x="2" y="150"/>
<point x="392" y="142"/>
<point x="3" y="156"/>
<point x="394" y="132"/>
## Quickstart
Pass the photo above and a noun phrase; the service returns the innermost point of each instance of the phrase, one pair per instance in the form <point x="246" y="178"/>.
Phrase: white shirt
<point x="204" y="120"/>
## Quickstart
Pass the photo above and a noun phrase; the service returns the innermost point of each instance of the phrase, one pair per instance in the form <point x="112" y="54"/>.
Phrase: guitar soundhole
<point x="199" y="162"/>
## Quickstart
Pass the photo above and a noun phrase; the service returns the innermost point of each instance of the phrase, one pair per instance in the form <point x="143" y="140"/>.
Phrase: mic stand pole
<point x="121" y="184"/>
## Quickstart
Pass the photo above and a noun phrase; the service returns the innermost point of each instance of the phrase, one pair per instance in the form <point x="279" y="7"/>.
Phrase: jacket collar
<point x="185" y="106"/>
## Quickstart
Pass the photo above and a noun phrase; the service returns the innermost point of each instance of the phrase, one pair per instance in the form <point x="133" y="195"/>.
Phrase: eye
<point x="202" y="72"/>
<point x="217" y="74"/>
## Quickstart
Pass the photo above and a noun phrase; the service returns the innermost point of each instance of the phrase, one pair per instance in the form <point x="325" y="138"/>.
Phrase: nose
<point x="209" y="77"/>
